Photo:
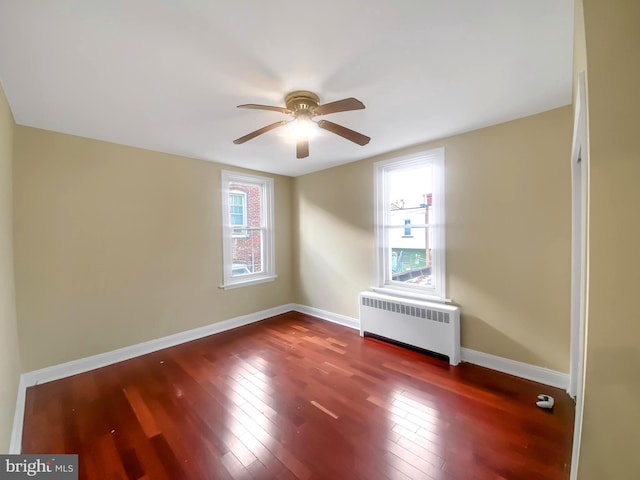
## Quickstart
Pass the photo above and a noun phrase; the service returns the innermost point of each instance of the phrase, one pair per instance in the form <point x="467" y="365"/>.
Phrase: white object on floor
<point x="545" y="401"/>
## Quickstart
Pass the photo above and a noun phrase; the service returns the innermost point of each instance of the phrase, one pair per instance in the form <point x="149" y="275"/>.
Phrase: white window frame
<point x="266" y="226"/>
<point x="384" y="282"/>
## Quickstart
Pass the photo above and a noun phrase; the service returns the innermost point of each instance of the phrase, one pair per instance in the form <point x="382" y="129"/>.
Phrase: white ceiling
<point x="167" y="75"/>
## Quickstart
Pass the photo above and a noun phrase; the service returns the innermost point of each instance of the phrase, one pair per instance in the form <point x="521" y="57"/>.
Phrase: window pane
<point x="410" y="256"/>
<point x="246" y="253"/>
<point x="237" y="209"/>
<point x="237" y="219"/>
<point x="236" y="200"/>
<point x="410" y="188"/>
<point x="410" y="197"/>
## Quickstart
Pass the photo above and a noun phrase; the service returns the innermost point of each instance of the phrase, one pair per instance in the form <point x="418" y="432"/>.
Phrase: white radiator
<point x="427" y="325"/>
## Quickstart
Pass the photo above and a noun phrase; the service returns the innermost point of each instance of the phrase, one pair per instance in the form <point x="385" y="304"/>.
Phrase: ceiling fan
<point x="303" y="106"/>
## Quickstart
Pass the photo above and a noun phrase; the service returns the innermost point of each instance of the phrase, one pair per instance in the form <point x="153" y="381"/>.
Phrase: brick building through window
<point x="245" y="204"/>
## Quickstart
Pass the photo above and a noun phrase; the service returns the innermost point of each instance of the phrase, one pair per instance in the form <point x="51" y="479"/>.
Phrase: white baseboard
<point x="518" y="369"/>
<point x="329" y="316"/>
<point x="15" y="445"/>
<point x="82" y="365"/>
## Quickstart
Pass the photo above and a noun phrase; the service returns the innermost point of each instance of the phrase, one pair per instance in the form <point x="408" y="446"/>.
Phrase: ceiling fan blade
<point x="339" y="106"/>
<point x="265" y="107"/>
<point x="260" y="131"/>
<point x="302" y="149"/>
<point x="345" y="132"/>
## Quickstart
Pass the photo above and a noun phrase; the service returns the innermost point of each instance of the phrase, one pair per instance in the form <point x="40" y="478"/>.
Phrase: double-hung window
<point x="238" y="213"/>
<point x="409" y="222"/>
<point x="247" y="229"/>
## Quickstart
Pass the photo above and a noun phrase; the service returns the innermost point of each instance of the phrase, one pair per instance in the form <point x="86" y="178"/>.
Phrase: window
<point x="238" y="213"/>
<point x="247" y="229"/>
<point x="407" y="227"/>
<point x="410" y="248"/>
<point x="238" y="209"/>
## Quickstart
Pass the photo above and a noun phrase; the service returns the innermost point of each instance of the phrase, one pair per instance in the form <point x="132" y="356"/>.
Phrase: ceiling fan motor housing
<point x="301" y="101"/>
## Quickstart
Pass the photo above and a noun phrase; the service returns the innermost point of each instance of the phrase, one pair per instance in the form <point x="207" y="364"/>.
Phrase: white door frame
<point x="579" y="245"/>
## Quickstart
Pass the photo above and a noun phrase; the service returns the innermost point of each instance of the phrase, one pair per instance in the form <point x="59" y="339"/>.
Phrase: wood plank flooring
<point x="295" y="397"/>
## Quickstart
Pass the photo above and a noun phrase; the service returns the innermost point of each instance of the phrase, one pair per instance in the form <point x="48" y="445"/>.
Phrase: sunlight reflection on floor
<point x="414" y="443"/>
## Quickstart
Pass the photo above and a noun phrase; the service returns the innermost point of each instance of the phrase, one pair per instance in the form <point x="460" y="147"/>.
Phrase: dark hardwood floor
<point x="295" y="397"/>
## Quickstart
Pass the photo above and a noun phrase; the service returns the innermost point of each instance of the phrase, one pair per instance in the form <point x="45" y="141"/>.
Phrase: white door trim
<point x="579" y="245"/>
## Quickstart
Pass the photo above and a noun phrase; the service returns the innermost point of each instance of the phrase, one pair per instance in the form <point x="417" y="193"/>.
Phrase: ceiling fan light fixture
<point x="302" y="128"/>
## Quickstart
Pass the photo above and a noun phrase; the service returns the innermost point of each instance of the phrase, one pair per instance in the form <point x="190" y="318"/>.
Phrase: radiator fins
<point x="409" y="310"/>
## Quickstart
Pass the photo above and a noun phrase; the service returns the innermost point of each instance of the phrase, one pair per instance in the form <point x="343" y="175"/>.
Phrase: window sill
<point x="397" y="292"/>
<point x="248" y="282"/>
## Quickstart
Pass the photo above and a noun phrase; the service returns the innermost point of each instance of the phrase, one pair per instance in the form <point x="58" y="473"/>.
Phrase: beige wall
<point x="9" y="353"/>
<point x="116" y="245"/>
<point x="334" y="223"/>
<point x="611" y="424"/>
<point x="508" y="236"/>
<point x="579" y="46"/>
